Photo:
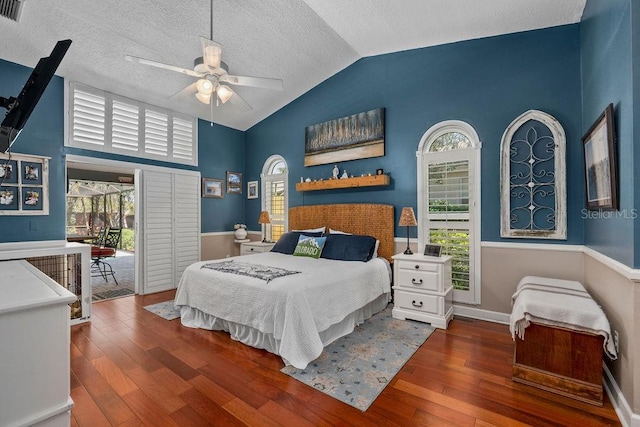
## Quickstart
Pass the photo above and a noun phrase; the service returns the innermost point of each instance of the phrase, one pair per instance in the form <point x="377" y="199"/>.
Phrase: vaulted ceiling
<point x="302" y="42"/>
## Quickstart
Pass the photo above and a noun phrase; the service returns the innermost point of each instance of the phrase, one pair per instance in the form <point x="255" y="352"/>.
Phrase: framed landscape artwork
<point x="601" y="163"/>
<point x="234" y="182"/>
<point x="212" y="188"/>
<point x="358" y="136"/>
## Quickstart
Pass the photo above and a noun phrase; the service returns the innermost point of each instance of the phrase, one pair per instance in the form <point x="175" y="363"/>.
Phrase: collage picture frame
<point x="24" y="185"/>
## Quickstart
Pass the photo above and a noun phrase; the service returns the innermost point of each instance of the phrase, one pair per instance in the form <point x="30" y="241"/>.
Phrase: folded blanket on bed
<point x="258" y="271"/>
<point x="562" y="303"/>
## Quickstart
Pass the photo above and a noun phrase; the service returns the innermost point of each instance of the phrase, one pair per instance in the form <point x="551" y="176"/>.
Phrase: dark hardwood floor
<point x="130" y="367"/>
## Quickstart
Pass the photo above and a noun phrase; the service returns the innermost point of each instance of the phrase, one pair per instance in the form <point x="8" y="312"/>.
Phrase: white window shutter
<point x="101" y="121"/>
<point x="156" y="133"/>
<point x="124" y="134"/>
<point x="187" y="222"/>
<point x="88" y="119"/>
<point x="182" y="139"/>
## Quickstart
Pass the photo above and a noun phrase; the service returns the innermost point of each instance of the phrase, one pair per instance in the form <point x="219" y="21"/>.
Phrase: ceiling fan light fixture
<point x="204" y="87"/>
<point x="205" y="99"/>
<point x="224" y="92"/>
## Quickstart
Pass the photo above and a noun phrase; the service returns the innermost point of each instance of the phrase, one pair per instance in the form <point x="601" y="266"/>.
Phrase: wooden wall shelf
<point x="331" y="184"/>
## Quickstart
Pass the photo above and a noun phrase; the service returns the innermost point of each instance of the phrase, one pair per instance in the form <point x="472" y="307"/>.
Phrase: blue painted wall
<point x="43" y="135"/>
<point x="606" y="45"/>
<point x="635" y="53"/>
<point x="486" y="82"/>
<point x="221" y="149"/>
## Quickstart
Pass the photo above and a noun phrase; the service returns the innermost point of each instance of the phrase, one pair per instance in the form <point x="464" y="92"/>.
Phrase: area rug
<point x="111" y="293"/>
<point x="356" y="368"/>
<point x="164" y="310"/>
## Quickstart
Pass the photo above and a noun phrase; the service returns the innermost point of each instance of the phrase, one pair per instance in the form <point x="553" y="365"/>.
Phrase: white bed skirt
<point x="194" y="318"/>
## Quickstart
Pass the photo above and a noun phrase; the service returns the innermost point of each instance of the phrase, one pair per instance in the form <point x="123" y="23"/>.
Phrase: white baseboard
<point x="480" y="314"/>
<point x="620" y="404"/>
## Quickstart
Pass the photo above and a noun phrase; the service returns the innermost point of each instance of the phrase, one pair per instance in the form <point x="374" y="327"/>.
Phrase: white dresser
<point x="255" y="247"/>
<point x="422" y="289"/>
<point x="34" y="350"/>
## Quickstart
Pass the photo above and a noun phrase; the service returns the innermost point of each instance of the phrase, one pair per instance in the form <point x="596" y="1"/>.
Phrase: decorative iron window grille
<point x="533" y="178"/>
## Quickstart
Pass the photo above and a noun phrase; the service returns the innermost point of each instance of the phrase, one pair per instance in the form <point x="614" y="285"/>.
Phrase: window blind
<point x="109" y="123"/>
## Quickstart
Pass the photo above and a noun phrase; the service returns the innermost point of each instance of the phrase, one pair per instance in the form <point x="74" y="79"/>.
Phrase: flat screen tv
<point x="19" y="108"/>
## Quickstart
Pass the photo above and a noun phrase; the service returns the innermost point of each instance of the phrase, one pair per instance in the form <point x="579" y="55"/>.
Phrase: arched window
<point x="449" y="201"/>
<point x="275" y="197"/>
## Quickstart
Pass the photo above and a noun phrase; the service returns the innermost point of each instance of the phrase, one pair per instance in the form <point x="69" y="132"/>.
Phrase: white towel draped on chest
<point x="562" y="303"/>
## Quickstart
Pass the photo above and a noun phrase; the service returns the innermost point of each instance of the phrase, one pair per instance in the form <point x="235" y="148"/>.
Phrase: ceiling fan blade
<point x="185" y="93"/>
<point x="162" y="65"/>
<point x="261" y="82"/>
<point x="211" y="52"/>
<point x="239" y="103"/>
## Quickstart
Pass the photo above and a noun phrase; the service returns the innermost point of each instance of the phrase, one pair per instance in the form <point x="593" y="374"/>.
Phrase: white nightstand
<point x="422" y="289"/>
<point x="255" y="247"/>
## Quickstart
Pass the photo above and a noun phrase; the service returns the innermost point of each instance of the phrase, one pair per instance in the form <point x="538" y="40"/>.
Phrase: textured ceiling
<point x="302" y="42"/>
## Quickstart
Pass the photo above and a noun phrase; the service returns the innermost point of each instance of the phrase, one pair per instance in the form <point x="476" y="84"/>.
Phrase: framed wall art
<point x="601" y="174"/>
<point x="212" y="188"/>
<point x="234" y="182"/>
<point x="252" y="190"/>
<point x="359" y="136"/>
<point x="24" y="185"/>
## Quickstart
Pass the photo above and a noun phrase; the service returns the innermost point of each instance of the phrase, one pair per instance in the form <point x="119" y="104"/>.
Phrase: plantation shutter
<point x="171" y="227"/>
<point x="88" y="120"/>
<point x="274" y="203"/>
<point x="156" y="132"/>
<point x="448" y="215"/>
<point x="187" y="222"/>
<point x="109" y="123"/>
<point x="159" y="272"/>
<point x="124" y="133"/>
<point x="449" y="191"/>
<point x="183" y="139"/>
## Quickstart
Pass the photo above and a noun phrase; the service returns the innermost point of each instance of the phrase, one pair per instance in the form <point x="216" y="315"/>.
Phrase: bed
<point x="293" y="306"/>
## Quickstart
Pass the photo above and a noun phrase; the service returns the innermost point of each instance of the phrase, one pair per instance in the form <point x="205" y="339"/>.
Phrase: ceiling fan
<point x="213" y="76"/>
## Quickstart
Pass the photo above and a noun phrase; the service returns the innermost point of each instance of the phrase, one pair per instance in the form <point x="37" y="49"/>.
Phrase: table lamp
<point x="264" y="219"/>
<point x="408" y="219"/>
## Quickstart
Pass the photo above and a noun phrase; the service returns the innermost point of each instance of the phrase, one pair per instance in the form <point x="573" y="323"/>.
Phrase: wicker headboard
<point x="357" y="218"/>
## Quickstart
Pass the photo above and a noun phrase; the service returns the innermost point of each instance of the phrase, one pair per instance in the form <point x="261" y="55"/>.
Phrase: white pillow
<point x="332" y="231"/>
<point x="311" y="230"/>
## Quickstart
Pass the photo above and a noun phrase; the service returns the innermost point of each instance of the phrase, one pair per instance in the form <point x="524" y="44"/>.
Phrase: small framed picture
<point x="212" y="188"/>
<point x="379" y="171"/>
<point x="31" y="199"/>
<point x="9" y="198"/>
<point x="234" y="182"/>
<point x="432" y="250"/>
<point x="252" y="190"/>
<point x="8" y="171"/>
<point x="31" y="173"/>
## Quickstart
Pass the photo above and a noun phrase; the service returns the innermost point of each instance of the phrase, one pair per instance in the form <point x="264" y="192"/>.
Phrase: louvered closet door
<point x="187" y="224"/>
<point x="171" y="228"/>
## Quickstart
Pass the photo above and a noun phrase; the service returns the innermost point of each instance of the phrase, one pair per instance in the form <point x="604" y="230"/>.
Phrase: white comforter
<point x="295" y="308"/>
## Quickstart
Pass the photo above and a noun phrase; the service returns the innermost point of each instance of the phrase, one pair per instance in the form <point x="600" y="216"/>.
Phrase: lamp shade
<point x="407" y="217"/>
<point x="224" y="92"/>
<point x="264" y="218"/>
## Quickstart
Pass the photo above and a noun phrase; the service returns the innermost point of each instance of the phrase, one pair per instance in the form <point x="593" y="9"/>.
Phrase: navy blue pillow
<point x="287" y="243"/>
<point x="349" y="247"/>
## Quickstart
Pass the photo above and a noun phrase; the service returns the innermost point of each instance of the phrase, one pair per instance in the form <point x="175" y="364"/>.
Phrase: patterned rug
<point x="164" y="310"/>
<point x="356" y="368"/>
